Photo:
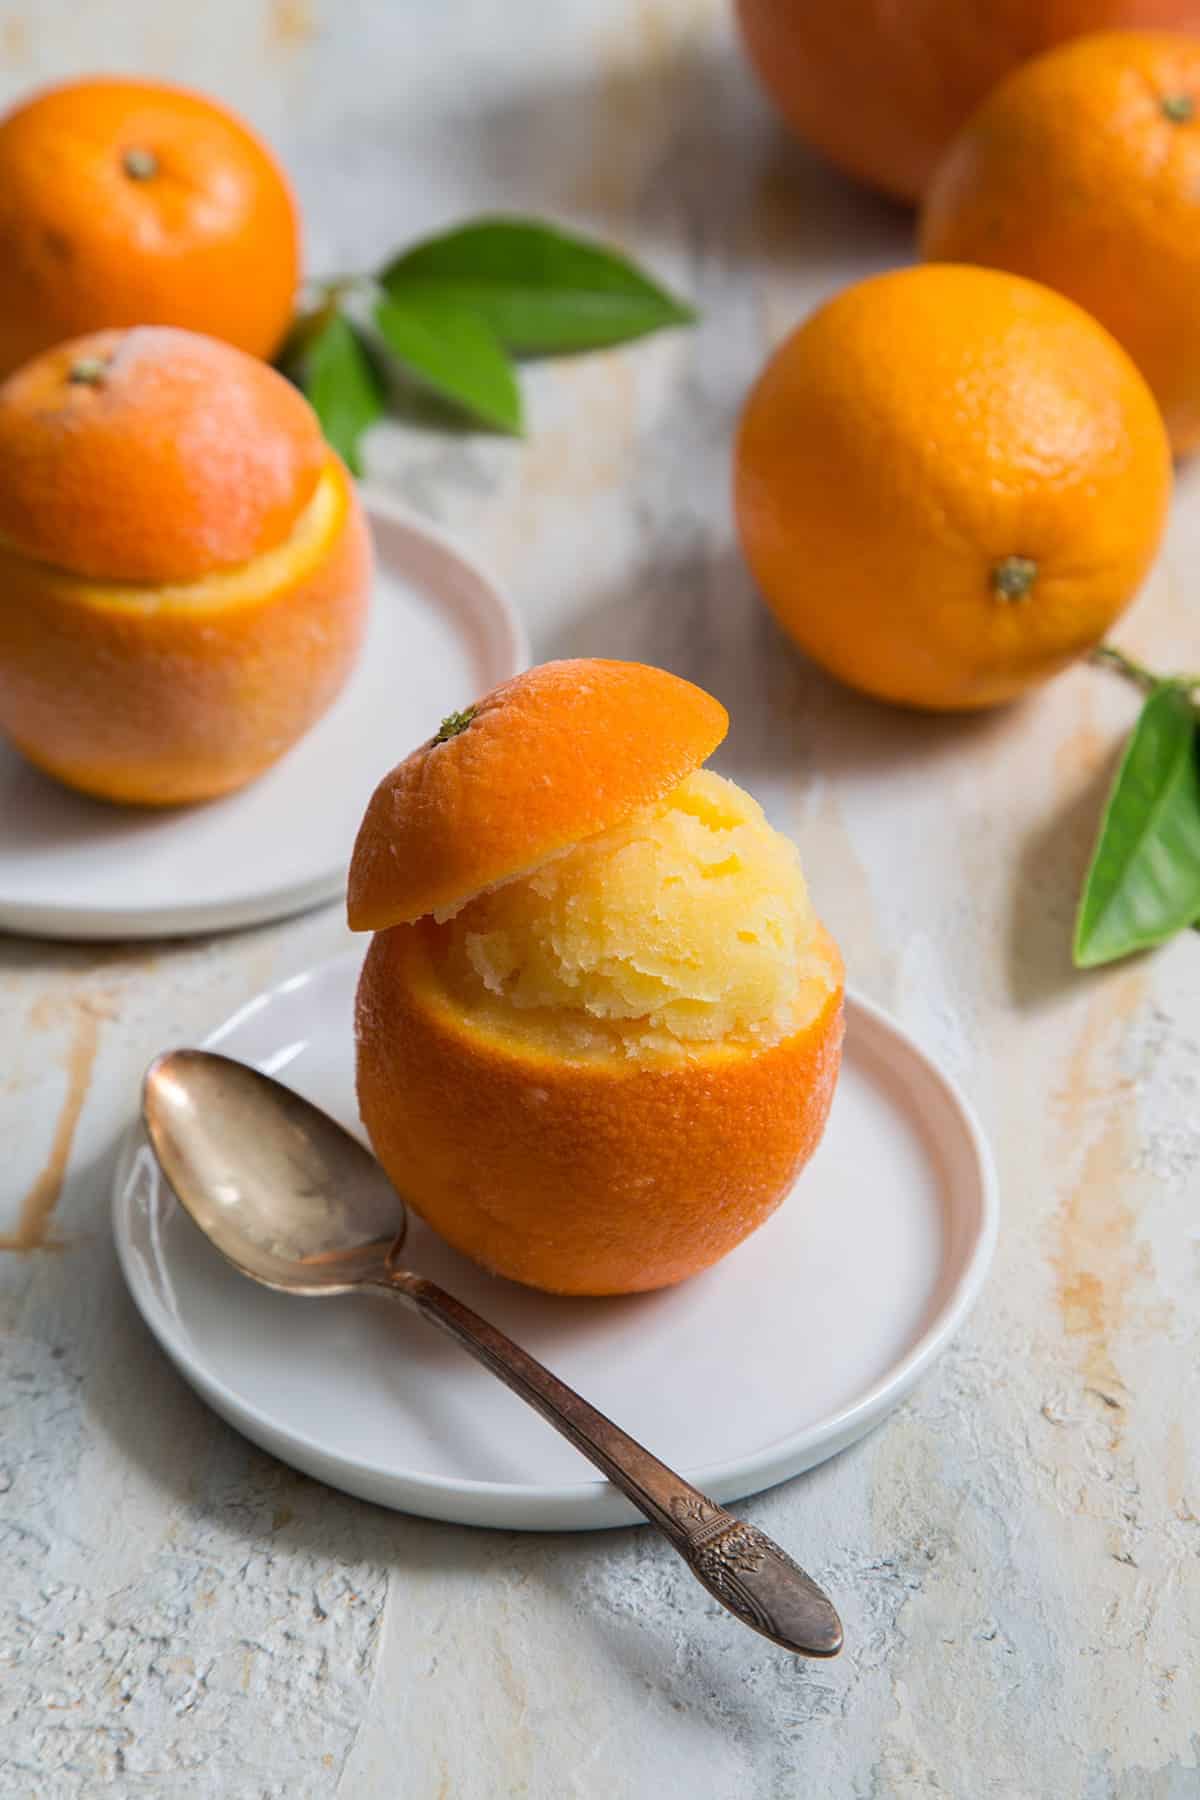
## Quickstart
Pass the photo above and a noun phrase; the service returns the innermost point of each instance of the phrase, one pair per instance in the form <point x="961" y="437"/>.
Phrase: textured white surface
<point x="1017" y="1553"/>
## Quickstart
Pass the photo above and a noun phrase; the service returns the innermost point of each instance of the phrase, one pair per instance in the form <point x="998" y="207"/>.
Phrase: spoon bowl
<point x="288" y="1196"/>
<point x="297" y="1204"/>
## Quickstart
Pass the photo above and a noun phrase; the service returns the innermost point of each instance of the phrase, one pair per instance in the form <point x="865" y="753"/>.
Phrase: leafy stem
<point x="334" y="286"/>
<point x="454" y="724"/>
<point x="1108" y="656"/>
<point x="451" y="314"/>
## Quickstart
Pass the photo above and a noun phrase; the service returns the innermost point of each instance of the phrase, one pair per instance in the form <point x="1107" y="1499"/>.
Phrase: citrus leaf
<point x="1143" y="884"/>
<point x="455" y="354"/>
<point x="541" y="290"/>
<point x="335" y="370"/>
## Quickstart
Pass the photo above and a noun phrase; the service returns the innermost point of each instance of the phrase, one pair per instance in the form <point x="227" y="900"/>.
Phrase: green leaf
<point x="335" y="369"/>
<point x="541" y="290"/>
<point x="455" y="354"/>
<point x="1144" y="881"/>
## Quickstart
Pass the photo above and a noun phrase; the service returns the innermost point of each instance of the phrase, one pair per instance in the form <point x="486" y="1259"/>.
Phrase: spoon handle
<point x="738" y="1564"/>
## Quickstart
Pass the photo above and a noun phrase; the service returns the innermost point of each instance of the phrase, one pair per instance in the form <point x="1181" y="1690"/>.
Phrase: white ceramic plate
<point x="791" y="1348"/>
<point x="440" y="634"/>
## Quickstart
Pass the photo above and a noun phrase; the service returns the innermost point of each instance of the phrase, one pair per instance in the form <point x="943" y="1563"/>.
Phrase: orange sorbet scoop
<point x="599" y="1026"/>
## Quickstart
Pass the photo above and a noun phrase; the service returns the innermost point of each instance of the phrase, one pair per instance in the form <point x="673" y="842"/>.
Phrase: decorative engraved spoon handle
<point x="738" y="1564"/>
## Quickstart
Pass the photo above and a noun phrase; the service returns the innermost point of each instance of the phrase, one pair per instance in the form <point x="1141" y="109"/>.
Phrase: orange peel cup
<point x="184" y="566"/>
<point x="599" y="1026"/>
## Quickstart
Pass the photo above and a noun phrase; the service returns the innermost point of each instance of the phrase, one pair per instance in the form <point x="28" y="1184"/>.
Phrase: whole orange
<point x="881" y="88"/>
<point x="949" y="482"/>
<point x="138" y="203"/>
<point x="1082" y="170"/>
<point x="183" y="565"/>
<point x="569" y="1150"/>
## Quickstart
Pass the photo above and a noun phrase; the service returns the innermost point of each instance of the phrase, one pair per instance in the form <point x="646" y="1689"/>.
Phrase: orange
<point x="573" y="1151"/>
<point x="138" y="203"/>
<point x="1082" y="170"/>
<point x="183" y="565"/>
<point x="948" y="483"/>
<point x="881" y="88"/>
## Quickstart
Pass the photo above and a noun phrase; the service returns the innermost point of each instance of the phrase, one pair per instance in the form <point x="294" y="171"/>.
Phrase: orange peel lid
<point x="553" y="756"/>
<point x="152" y="455"/>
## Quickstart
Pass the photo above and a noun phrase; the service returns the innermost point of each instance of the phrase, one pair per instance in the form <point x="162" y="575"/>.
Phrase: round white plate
<point x="440" y="634"/>
<point x="791" y="1348"/>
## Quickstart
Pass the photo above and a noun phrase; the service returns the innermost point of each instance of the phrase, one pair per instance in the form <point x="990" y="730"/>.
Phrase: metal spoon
<point x="296" y="1203"/>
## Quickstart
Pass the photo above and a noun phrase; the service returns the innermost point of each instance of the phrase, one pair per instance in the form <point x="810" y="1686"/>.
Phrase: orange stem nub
<point x="1013" y="577"/>
<point x="140" y="165"/>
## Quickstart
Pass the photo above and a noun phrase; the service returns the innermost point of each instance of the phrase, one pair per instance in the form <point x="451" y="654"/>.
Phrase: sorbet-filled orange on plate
<point x="599" y="1025"/>
<point x="183" y="565"/>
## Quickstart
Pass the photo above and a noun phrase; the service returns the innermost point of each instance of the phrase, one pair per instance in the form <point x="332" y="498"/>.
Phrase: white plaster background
<point x="1016" y="1553"/>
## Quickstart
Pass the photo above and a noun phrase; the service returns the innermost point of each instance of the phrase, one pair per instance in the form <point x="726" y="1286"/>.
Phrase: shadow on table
<point x="100" y="957"/>
<point x="698" y="614"/>
<point x="677" y="137"/>
<point x="629" y="1599"/>
<point x="58" y="956"/>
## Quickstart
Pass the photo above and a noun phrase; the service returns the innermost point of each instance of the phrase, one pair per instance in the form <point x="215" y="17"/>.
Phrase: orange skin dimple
<point x="881" y="86"/>
<point x="184" y="566"/>
<point x="135" y="202"/>
<point x="1082" y="170"/>
<point x="949" y="482"/>
<point x="555" y="755"/>
<point x="176" y="456"/>
<point x="581" y="1177"/>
